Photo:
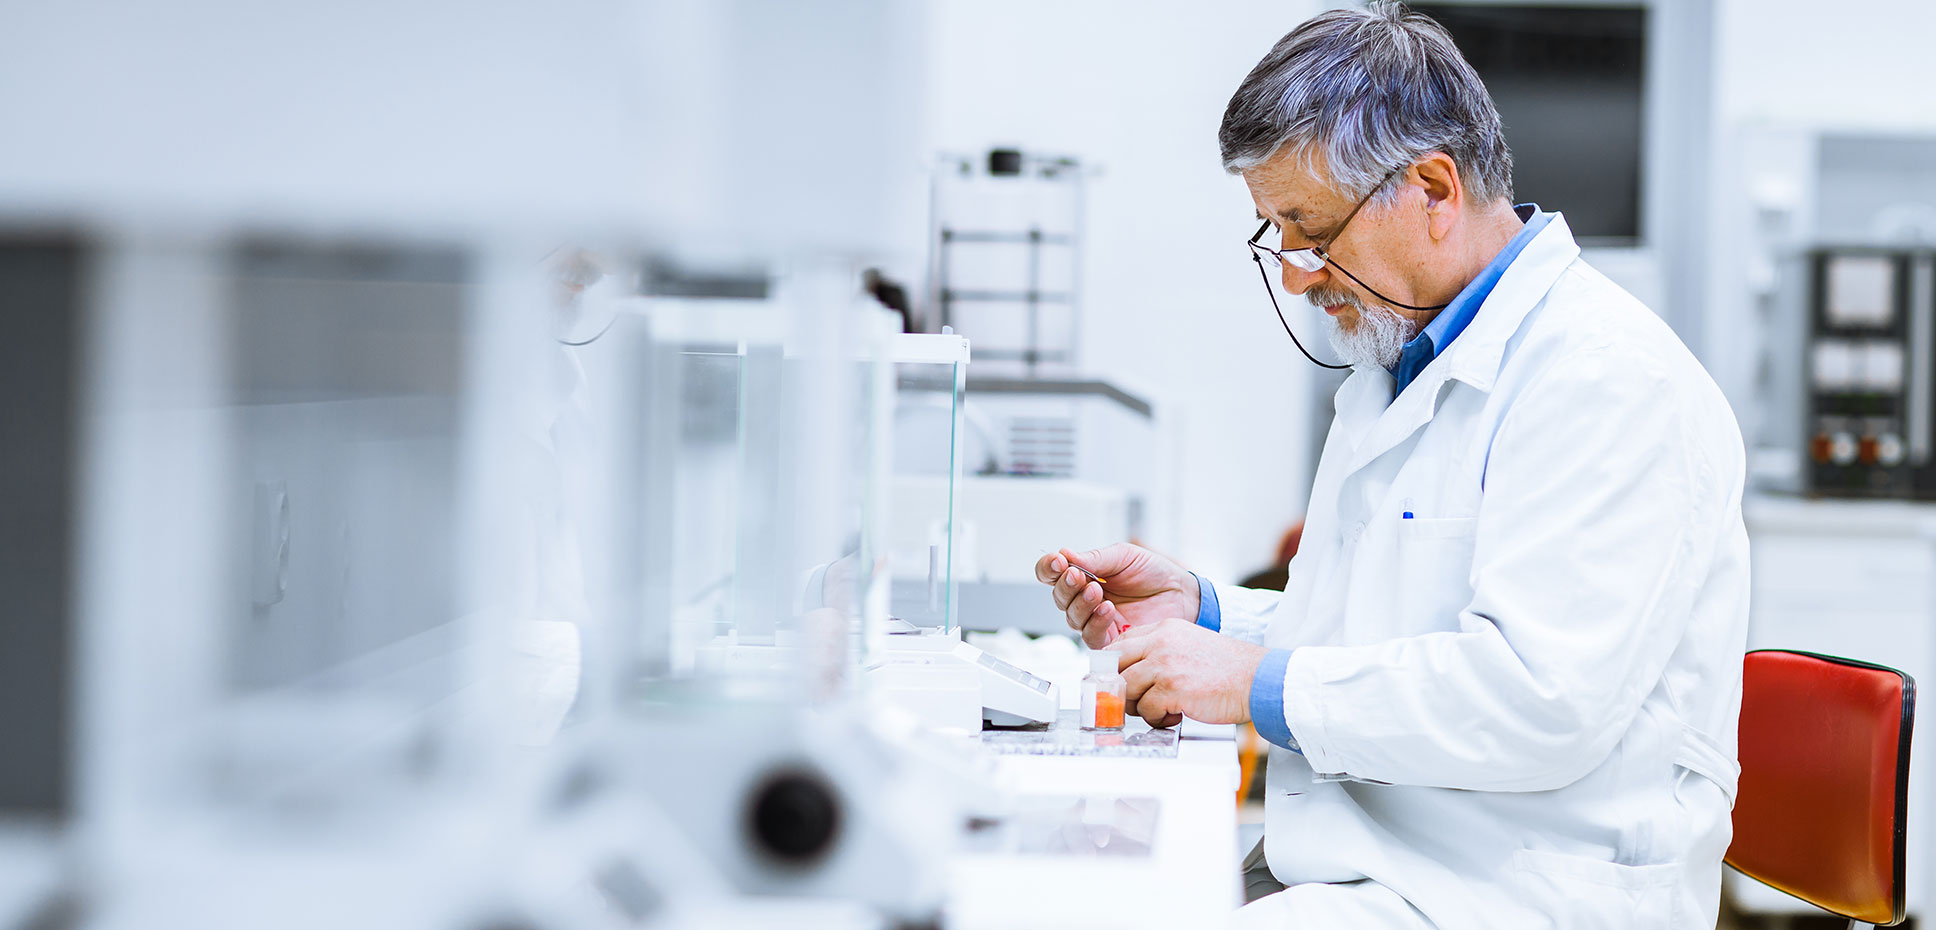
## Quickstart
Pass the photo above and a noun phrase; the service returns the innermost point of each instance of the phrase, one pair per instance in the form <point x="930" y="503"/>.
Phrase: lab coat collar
<point x="1375" y="423"/>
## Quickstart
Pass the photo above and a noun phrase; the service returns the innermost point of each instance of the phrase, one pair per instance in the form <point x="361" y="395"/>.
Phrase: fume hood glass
<point x="302" y="557"/>
<point x="924" y="540"/>
<point x="744" y="552"/>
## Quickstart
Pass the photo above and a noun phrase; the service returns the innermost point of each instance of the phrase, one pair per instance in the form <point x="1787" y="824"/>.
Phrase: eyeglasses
<point x="1314" y="257"/>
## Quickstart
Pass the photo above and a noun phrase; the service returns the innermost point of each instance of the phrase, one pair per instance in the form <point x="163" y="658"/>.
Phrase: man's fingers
<point x="1167" y="720"/>
<point x="1136" y="643"/>
<point x="1082" y="606"/>
<point x="1148" y="696"/>
<point x="1072" y="585"/>
<point x="1049" y="568"/>
<point x="1138" y="677"/>
<point x="1109" y="620"/>
<point x="1105" y="562"/>
<point x="1100" y="630"/>
<point x="1156" y="707"/>
<point x="1067" y="587"/>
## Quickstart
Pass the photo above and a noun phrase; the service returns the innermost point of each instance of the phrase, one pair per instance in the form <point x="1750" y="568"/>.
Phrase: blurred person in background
<point x="1502" y="679"/>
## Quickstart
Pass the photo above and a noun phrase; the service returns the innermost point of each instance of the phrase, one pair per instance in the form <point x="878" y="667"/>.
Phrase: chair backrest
<point x="1824" y="780"/>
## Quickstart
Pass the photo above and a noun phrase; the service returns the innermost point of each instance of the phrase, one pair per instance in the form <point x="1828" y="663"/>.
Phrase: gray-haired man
<point x="1503" y="677"/>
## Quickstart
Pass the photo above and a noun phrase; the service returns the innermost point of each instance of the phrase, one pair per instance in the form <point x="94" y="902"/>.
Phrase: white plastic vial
<point x="1103" y="692"/>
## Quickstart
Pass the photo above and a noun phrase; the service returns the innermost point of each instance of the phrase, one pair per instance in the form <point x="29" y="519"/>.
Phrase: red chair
<point x="1824" y="781"/>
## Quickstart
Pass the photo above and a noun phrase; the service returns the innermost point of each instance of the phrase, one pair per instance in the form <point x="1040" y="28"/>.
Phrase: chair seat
<point x="1824" y="751"/>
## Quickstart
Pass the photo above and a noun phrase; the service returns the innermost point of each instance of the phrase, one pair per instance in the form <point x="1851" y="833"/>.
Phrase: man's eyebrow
<point x="1296" y="217"/>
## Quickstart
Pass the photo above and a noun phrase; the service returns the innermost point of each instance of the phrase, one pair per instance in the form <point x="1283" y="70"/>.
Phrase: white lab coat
<point x="1518" y="708"/>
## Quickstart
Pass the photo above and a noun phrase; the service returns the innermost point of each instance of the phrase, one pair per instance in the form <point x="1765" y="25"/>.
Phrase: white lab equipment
<point x="1005" y="253"/>
<point x="303" y="519"/>
<point x="790" y="805"/>
<point x="302" y="563"/>
<point x="740" y="582"/>
<point x="955" y="686"/>
<point x="1046" y="463"/>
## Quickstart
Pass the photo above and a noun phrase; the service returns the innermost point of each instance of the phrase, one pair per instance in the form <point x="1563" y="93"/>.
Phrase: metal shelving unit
<point x="1047" y="228"/>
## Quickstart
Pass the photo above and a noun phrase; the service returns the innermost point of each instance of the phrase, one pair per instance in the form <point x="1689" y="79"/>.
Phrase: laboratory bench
<point x="1105" y="837"/>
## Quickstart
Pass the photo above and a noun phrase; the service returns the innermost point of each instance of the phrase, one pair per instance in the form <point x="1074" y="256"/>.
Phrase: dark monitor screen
<point x="1568" y="82"/>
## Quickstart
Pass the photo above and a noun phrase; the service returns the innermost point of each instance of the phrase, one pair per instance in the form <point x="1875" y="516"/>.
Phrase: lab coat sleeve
<point x="1600" y="513"/>
<point x="1244" y="613"/>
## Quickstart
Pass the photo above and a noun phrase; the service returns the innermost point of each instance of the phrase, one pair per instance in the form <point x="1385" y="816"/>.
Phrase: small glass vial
<point x="1102" y="692"/>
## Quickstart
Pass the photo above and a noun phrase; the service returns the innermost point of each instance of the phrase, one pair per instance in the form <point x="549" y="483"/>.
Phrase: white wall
<point x="1172" y="301"/>
<point x="1867" y="64"/>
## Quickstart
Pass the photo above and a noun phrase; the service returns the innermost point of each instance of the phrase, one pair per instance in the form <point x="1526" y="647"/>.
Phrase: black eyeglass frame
<point x="1277" y="256"/>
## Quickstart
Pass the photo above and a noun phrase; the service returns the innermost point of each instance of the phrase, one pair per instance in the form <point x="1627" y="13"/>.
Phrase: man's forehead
<point x="1291" y="204"/>
<point x="1287" y="187"/>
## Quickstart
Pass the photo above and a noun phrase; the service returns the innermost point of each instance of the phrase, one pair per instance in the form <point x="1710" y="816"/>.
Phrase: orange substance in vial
<point x="1109" y="711"/>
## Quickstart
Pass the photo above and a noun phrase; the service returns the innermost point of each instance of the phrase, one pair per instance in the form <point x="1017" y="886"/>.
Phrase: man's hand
<point x="1138" y="586"/>
<point x="1175" y="669"/>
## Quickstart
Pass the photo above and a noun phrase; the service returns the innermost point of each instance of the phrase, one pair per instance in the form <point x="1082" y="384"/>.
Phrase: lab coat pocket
<point x="1577" y="893"/>
<point x="1435" y="558"/>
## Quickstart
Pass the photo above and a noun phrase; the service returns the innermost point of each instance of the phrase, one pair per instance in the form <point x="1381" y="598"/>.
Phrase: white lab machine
<point x="1046" y="464"/>
<point x="300" y="578"/>
<point x="954" y="685"/>
<point x="312" y="466"/>
<point x="925" y="667"/>
<point x="739" y="585"/>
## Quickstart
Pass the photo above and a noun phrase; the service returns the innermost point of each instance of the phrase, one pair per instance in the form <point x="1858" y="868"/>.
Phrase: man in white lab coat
<point x="1503" y="678"/>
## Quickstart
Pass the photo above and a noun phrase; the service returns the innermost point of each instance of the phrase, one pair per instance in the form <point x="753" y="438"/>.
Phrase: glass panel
<point x="743" y="559"/>
<point x="705" y="581"/>
<point x="1049" y="464"/>
<point x="924" y="536"/>
<point x="348" y="422"/>
<point x="312" y="544"/>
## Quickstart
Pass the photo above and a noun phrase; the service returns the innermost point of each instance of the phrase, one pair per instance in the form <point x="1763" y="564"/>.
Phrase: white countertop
<point x="1189" y="878"/>
<point x="1788" y="514"/>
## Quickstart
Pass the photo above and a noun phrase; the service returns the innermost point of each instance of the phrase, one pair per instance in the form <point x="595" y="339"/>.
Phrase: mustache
<point x="1326" y="297"/>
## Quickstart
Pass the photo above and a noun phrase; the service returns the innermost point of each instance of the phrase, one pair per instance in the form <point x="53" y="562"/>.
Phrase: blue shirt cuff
<point x="1267" y="701"/>
<point x="1208" y="613"/>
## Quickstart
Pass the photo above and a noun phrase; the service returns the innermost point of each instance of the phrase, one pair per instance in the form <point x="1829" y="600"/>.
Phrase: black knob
<point x="1004" y="162"/>
<point x="794" y="817"/>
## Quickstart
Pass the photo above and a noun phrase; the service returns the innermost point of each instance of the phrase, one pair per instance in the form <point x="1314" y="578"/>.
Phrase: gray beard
<point x="1378" y="339"/>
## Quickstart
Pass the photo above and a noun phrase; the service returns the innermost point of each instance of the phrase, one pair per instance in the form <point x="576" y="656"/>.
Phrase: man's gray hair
<point x="1357" y="93"/>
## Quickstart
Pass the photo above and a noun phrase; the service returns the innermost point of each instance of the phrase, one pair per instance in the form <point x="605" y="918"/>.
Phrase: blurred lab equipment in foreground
<point x="430" y="507"/>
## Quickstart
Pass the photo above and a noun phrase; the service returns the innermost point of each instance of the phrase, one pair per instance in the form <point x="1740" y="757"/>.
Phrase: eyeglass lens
<point x="1305" y="259"/>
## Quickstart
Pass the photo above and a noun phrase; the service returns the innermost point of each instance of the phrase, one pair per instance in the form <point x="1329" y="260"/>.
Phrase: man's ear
<point x="1438" y="177"/>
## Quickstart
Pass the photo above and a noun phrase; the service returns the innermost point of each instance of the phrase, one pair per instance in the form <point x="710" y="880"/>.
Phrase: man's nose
<point x="1297" y="280"/>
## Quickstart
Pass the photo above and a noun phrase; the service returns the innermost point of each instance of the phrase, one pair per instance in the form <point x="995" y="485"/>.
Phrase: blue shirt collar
<point x="1430" y="343"/>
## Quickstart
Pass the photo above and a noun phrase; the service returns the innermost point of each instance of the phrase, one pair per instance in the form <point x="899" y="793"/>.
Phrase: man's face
<point x="1374" y="245"/>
